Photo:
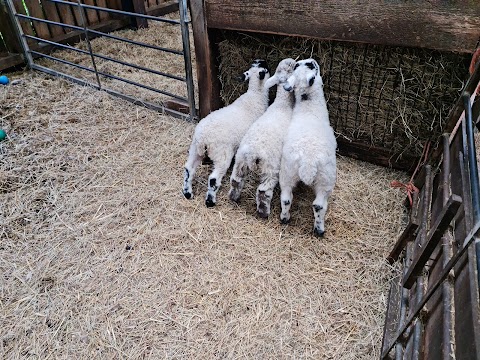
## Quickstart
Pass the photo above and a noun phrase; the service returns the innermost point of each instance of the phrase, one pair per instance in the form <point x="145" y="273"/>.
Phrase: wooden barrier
<point x="10" y="48"/>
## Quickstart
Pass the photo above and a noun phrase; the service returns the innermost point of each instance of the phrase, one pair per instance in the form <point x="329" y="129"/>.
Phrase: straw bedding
<point x="101" y="256"/>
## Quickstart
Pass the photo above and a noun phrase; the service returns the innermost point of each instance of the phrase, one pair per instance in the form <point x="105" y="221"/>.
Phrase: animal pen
<point x="100" y="255"/>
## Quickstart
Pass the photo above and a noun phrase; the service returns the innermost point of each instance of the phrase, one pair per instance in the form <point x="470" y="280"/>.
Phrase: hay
<point x="100" y="255"/>
<point x="391" y="97"/>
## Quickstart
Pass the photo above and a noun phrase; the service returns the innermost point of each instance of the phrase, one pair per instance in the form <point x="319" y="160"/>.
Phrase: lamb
<point x="219" y="134"/>
<point x="309" y="148"/>
<point x="261" y="147"/>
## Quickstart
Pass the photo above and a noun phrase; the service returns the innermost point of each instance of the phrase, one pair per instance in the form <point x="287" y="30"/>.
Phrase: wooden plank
<point x="66" y="16"/>
<point x="372" y="154"/>
<point x="51" y="13"/>
<point x="103" y="15"/>
<point x="392" y="316"/>
<point x="402" y="241"/>
<point x="35" y="10"/>
<point x="446" y="25"/>
<point x="92" y="16"/>
<point x="136" y="6"/>
<point x="435" y="234"/>
<point x="10" y="60"/>
<point x="207" y="69"/>
<point x="163" y="8"/>
<point x="26" y="26"/>
<point x="7" y="28"/>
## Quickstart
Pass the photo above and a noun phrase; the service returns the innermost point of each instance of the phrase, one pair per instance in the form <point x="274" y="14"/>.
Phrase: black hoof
<point x="319" y="233"/>
<point x="187" y="195"/>
<point x="235" y="199"/>
<point x="262" y="215"/>
<point x="209" y="203"/>
<point x="284" y="221"/>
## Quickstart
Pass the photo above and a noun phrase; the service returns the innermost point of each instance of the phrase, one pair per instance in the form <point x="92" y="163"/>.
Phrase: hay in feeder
<point x="391" y="97"/>
<point x="101" y="256"/>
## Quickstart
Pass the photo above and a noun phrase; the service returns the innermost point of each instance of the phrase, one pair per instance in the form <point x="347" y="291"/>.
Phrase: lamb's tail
<point x="308" y="171"/>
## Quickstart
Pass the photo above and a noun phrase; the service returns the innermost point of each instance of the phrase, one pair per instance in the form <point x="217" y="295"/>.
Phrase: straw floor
<point x="102" y="257"/>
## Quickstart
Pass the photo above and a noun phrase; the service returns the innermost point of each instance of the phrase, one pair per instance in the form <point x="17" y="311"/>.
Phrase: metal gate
<point x="32" y="41"/>
<point x="433" y="308"/>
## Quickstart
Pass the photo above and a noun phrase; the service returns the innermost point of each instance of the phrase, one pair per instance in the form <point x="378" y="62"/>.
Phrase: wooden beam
<point x="205" y="49"/>
<point x="8" y="60"/>
<point x="443" y="25"/>
<point x="136" y="6"/>
<point x="434" y="235"/>
<point x="7" y="29"/>
<point x="376" y="155"/>
<point x="163" y="9"/>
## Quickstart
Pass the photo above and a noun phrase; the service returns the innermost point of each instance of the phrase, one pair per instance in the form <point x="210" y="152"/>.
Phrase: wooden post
<point x="206" y="51"/>
<point x="7" y="28"/>
<point x="136" y="6"/>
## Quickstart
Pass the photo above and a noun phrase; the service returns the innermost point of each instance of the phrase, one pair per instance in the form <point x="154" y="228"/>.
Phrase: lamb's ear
<point x="288" y="85"/>
<point x="244" y="77"/>
<point x="271" y="81"/>
<point x="262" y="73"/>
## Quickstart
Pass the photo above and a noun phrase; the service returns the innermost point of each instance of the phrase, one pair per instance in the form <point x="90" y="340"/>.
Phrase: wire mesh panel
<point x="111" y="61"/>
<point x="395" y="98"/>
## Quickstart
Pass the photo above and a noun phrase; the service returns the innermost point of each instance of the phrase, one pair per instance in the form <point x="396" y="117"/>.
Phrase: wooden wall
<point x="10" y="49"/>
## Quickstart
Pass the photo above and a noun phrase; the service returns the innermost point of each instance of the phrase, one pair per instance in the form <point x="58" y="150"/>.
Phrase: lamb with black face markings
<point x="261" y="147"/>
<point x="309" y="150"/>
<point x="219" y="134"/>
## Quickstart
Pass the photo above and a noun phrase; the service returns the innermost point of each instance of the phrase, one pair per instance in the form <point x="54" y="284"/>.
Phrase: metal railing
<point x="31" y="54"/>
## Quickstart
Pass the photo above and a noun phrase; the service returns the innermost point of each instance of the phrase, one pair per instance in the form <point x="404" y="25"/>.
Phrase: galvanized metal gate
<point x="22" y="16"/>
<point x="433" y="308"/>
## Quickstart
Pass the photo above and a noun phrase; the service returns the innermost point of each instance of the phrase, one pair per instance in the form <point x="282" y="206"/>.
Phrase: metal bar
<point x="444" y="219"/>
<point x="471" y="237"/>
<point x="403" y="303"/>
<point x="473" y="173"/>
<point x="106" y="58"/>
<point x="19" y="31"/>
<point x="446" y="254"/>
<point x="121" y="12"/>
<point x="162" y="109"/>
<point x="182" y="4"/>
<point x="110" y="76"/>
<point x="171" y="51"/>
<point x="474" y="182"/>
<point x="89" y="45"/>
<point x="427" y="198"/>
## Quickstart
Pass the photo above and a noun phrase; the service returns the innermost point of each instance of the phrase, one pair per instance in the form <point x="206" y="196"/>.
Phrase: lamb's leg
<point x="215" y="180"/>
<point x="319" y="209"/>
<point x="286" y="198"/>
<point x="265" y="194"/>
<point x="237" y="180"/>
<point x="190" y="167"/>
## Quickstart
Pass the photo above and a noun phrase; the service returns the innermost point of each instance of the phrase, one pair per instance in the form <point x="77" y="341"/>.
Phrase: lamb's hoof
<point x="284" y="221"/>
<point x="209" y="202"/>
<point x="263" y="212"/>
<point x="234" y="198"/>
<point x="187" y="195"/>
<point x="262" y="215"/>
<point x="319" y="233"/>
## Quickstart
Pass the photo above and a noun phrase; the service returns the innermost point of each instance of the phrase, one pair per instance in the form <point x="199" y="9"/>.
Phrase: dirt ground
<point x="102" y="257"/>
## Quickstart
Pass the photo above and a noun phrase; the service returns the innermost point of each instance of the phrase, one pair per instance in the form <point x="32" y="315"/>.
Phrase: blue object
<point x="4" y="80"/>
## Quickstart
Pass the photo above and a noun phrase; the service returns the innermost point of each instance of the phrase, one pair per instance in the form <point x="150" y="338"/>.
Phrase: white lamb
<point x="261" y="147"/>
<point x="219" y="134"/>
<point x="309" y="147"/>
